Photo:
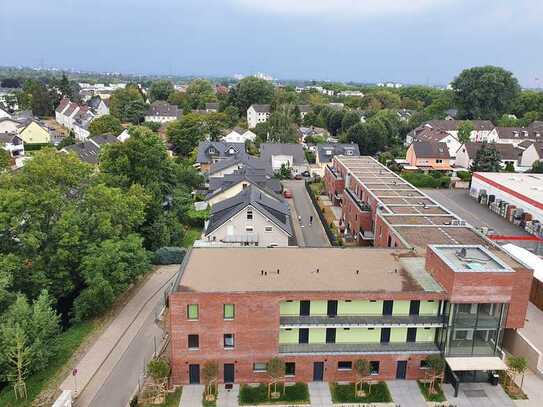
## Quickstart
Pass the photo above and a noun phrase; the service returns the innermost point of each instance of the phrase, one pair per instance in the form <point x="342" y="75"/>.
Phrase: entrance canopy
<point x="475" y="363"/>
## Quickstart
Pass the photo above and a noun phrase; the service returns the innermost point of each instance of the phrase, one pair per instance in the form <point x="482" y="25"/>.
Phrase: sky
<point x="408" y="41"/>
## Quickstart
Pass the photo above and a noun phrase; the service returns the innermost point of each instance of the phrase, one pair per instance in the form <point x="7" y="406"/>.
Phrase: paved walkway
<point x="533" y="387"/>
<point x="533" y="329"/>
<point x="314" y="235"/>
<point x="406" y="393"/>
<point x="478" y="395"/>
<point x="192" y="395"/>
<point x="95" y="368"/>
<point x="319" y="394"/>
<point x="228" y="398"/>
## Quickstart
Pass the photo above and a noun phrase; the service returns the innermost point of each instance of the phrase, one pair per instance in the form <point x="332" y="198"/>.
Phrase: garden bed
<point x="344" y="393"/>
<point x="511" y="388"/>
<point x="210" y="403"/>
<point x="254" y="395"/>
<point x="172" y="400"/>
<point x="438" y="396"/>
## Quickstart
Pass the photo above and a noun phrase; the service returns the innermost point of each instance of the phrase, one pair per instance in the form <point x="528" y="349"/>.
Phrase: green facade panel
<point x="359" y="307"/>
<point x="290" y="336"/>
<point x="398" y="335"/>
<point x="317" y="335"/>
<point x="358" y="335"/>
<point x="401" y="308"/>
<point x="426" y="335"/>
<point x="318" y="307"/>
<point x="289" y="308"/>
<point x="429" y="307"/>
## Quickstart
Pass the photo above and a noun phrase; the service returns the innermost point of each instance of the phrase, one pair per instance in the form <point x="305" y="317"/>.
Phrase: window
<point x="374" y="368"/>
<point x="192" y="311"/>
<point x="424" y="364"/>
<point x="229" y="311"/>
<point x="344" y="365"/>
<point x="290" y="369"/>
<point x="439" y="161"/>
<point x="228" y="340"/>
<point x="259" y="367"/>
<point x="249" y="214"/>
<point x="194" y="341"/>
<point x="268" y="228"/>
<point x="249" y="228"/>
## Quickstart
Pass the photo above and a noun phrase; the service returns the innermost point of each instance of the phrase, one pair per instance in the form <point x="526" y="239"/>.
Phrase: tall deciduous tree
<point x="127" y="104"/>
<point x="251" y="90"/>
<point x="106" y="124"/>
<point x="161" y="90"/>
<point x="485" y="92"/>
<point x="199" y="92"/>
<point x="464" y="131"/>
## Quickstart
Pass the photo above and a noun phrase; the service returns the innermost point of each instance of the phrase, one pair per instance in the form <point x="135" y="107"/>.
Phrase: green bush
<point x="344" y="393"/>
<point x="464" y="175"/>
<point x="297" y="393"/>
<point x="421" y="180"/>
<point x="169" y="255"/>
<point x="439" y="396"/>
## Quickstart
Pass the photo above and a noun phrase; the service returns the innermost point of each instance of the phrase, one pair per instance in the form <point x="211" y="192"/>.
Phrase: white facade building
<point x="257" y="114"/>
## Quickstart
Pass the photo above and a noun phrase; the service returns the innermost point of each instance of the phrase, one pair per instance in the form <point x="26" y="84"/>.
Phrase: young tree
<point x="517" y="365"/>
<point x="487" y="159"/>
<point x="210" y="373"/>
<point x="285" y="172"/>
<point x="485" y="92"/>
<point x="464" y="131"/>
<point x="436" y="366"/>
<point x="362" y="369"/>
<point x="275" y="369"/>
<point x="18" y="359"/>
<point x="106" y="124"/>
<point x="509" y="167"/>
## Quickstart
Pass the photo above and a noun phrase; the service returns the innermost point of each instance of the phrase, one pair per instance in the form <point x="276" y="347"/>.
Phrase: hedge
<point x="169" y="255"/>
<point x="421" y="180"/>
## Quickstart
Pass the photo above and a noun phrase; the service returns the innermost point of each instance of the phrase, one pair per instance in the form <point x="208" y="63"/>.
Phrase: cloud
<point x="340" y="8"/>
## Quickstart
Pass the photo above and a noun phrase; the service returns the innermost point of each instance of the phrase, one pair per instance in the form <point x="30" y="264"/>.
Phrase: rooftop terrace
<point x="467" y="258"/>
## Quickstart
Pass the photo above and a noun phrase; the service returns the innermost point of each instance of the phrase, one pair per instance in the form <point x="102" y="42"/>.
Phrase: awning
<point x="475" y="363"/>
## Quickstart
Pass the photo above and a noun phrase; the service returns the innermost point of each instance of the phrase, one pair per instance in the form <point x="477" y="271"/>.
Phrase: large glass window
<point x="474" y="329"/>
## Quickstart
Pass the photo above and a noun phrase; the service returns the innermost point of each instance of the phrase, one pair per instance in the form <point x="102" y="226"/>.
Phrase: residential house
<point x="123" y="136"/>
<point x="304" y="109"/>
<point x="81" y="122"/>
<point x="480" y="133"/>
<point x="8" y="97"/>
<point x="250" y="218"/>
<point x="429" y="156"/>
<point x="312" y="132"/>
<point x="467" y="153"/>
<point x="99" y="106"/>
<point x="429" y="134"/>
<point x="336" y="105"/>
<point x="13" y="144"/>
<point x="78" y="117"/>
<point x="351" y="93"/>
<point x="4" y="113"/>
<point x="212" y="107"/>
<point x="229" y="185"/>
<point x="235" y="163"/>
<point x="9" y="125"/>
<point x="451" y="114"/>
<point x="404" y="114"/>
<point x="515" y="135"/>
<point x="257" y="114"/>
<point x="210" y="152"/>
<point x="532" y="154"/>
<point x="33" y="132"/>
<point x="239" y="135"/>
<point x="325" y="153"/>
<point x="89" y="150"/>
<point x="162" y="112"/>
<point x="277" y="155"/>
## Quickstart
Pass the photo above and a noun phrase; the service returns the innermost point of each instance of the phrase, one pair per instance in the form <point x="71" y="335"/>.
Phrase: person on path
<point x="310" y="220"/>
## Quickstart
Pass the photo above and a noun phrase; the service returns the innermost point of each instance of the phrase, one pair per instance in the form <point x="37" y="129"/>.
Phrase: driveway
<point x="311" y="235"/>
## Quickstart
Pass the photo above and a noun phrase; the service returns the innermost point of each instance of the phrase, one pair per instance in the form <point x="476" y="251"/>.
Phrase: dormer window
<point x="328" y="152"/>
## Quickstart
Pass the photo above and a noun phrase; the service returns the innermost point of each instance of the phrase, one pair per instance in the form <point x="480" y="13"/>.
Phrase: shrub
<point x="169" y="255"/>
<point x="259" y="394"/>
<point x="421" y="180"/>
<point x="344" y="393"/>
<point x="464" y="175"/>
<point x="437" y="397"/>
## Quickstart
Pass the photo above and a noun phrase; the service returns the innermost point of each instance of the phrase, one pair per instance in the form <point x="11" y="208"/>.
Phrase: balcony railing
<point x="357" y="348"/>
<point x="363" y="206"/>
<point x="334" y="172"/>
<point x="361" y="321"/>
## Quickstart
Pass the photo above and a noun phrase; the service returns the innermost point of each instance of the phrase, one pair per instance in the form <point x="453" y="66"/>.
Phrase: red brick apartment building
<point x="431" y="285"/>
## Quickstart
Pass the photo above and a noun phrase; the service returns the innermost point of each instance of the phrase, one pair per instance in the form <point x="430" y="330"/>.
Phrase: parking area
<point x="459" y="202"/>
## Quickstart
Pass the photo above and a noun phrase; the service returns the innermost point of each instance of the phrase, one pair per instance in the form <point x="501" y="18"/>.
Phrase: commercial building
<point x="431" y="285"/>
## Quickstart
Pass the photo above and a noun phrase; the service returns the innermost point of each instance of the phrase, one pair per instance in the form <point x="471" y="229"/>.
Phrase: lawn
<point x="438" y="396"/>
<point x="295" y="394"/>
<point x="191" y="235"/>
<point x="344" y="393"/>
<point x="68" y="342"/>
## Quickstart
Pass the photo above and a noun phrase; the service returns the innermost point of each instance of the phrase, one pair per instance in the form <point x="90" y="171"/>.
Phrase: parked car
<point x="298" y="177"/>
<point x="287" y="193"/>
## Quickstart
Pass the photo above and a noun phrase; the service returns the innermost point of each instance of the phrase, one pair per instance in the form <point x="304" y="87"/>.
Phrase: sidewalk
<point x="192" y="395"/>
<point x="406" y="393"/>
<point x="94" y="367"/>
<point x="228" y="398"/>
<point x="319" y="394"/>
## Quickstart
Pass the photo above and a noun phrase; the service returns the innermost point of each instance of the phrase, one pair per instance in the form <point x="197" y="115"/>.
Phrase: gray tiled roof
<point x="327" y="151"/>
<point x="254" y="176"/>
<point x="207" y="150"/>
<point x="160" y="108"/>
<point x="241" y="160"/>
<point x="261" y="108"/>
<point x="429" y="149"/>
<point x="507" y="151"/>
<point x="275" y="210"/>
<point x="267" y="150"/>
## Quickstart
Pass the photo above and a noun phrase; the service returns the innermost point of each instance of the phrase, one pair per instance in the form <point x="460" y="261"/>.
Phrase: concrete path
<point x="136" y="320"/>
<point x="192" y="395"/>
<point x="319" y="394"/>
<point x="314" y="235"/>
<point x="406" y="393"/>
<point x="478" y="395"/>
<point x="228" y="398"/>
<point x="533" y="387"/>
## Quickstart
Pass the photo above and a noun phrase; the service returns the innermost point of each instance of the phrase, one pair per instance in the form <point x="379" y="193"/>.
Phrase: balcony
<point x="362" y="321"/>
<point x="357" y="348"/>
<point x="334" y="173"/>
<point x="362" y="206"/>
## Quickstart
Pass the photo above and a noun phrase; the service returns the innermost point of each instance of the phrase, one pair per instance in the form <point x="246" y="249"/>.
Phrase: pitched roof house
<point x="33" y="132"/>
<point x="480" y="133"/>
<point x="89" y="151"/>
<point x="429" y="155"/>
<point x="277" y="154"/>
<point x="435" y="135"/>
<point x="516" y="135"/>
<point x="210" y="152"/>
<point x="250" y="218"/>
<point x="239" y="135"/>
<point x="532" y="154"/>
<point x="257" y="114"/>
<point x="467" y="153"/>
<point x="325" y="152"/>
<point x="162" y="112"/>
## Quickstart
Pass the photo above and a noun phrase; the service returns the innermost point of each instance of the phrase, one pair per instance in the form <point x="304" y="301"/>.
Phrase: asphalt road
<point x="313" y="235"/>
<point x="459" y="202"/>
